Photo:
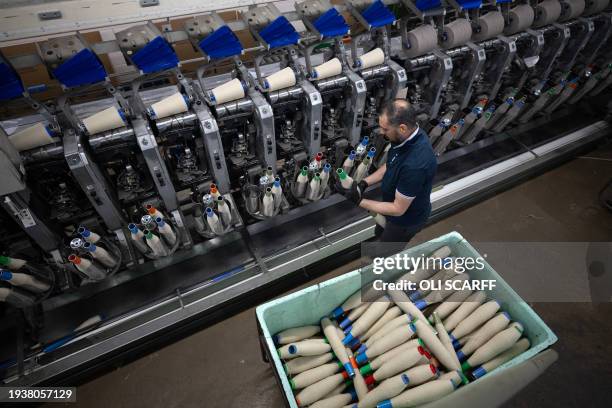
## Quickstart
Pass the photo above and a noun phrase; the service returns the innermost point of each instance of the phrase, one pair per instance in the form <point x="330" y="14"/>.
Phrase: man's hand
<point x="361" y="186"/>
<point x="354" y="193"/>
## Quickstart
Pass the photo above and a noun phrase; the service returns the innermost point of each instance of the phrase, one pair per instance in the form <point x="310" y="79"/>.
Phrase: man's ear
<point x="403" y="129"/>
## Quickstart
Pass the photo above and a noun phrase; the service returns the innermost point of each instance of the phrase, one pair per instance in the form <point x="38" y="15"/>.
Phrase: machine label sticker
<point x="26" y="218"/>
<point x="23" y="214"/>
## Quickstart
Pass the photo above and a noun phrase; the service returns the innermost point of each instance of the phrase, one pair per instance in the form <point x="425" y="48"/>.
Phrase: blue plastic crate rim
<point x="156" y="56"/>
<point x="378" y="15"/>
<point x="279" y="33"/>
<point x="221" y="43"/>
<point x="10" y="83"/>
<point x="425" y="5"/>
<point x="309" y="305"/>
<point x="331" y="24"/>
<point x="470" y="4"/>
<point x="83" y="68"/>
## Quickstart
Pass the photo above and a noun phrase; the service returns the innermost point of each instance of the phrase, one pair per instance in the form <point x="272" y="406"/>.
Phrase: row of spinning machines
<point x="124" y="169"/>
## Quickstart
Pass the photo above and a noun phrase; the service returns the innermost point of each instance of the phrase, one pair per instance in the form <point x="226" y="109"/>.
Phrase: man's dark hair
<point x="400" y="111"/>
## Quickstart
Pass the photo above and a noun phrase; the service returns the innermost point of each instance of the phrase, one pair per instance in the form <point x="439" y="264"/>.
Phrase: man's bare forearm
<point x="381" y="207"/>
<point x="377" y="176"/>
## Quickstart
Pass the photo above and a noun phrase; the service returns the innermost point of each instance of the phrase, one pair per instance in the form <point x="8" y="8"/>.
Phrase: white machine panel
<point x="31" y="18"/>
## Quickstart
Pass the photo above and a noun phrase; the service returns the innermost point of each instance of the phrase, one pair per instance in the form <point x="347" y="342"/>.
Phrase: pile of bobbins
<point x="388" y="353"/>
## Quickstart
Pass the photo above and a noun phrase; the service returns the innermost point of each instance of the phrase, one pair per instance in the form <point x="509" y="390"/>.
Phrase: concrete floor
<point x="221" y="366"/>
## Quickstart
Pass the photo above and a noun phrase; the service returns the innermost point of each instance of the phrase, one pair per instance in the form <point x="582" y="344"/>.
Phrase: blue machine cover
<point x="331" y="23"/>
<point x="10" y="83"/>
<point x="83" y="68"/>
<point x="279" y="33"/>
<point x="156" y="56"/>
<point x="425" y="5"/>
<point x="471" y="4"/>
<point x="378" y="14"/>
<point x="221" y="43"/>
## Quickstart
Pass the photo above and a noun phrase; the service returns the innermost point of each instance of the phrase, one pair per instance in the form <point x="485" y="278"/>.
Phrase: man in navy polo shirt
<point x="406" y="177"/>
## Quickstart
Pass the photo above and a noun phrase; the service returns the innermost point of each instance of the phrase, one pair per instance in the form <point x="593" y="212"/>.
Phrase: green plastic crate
<point x="309" y="305"/>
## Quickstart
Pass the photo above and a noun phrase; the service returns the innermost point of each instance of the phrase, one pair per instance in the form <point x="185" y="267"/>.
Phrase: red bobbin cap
<point x="424" y="352"/>
<point x="369" y="380"/>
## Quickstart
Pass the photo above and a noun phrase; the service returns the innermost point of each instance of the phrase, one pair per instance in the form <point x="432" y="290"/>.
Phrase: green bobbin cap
<point x="366" y="369"/>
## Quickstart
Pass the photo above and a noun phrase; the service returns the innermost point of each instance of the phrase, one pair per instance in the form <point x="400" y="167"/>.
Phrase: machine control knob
<point x="94" y="195"/>
<point x="159" y="176"/>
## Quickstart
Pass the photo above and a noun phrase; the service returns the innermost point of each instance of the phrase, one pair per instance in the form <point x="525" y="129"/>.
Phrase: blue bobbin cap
<point x="414" y="296"/>
<point x="421" y="304"/>
<point x="384" y="404"/>
<point x="361" y="358"/>
<point x="362" y="349"/>
<point x="6" y="275"/>
<point x="83" y="231"/>
<point x="348" y="339"/>
<point x="349" y="369"/>
<point x="479" y="372"/>
<point x="337" y="312"/>
<point x="345" y="323"/>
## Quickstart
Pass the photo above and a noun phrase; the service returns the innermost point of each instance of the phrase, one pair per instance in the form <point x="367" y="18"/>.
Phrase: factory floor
<point x="221" y="366"/>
